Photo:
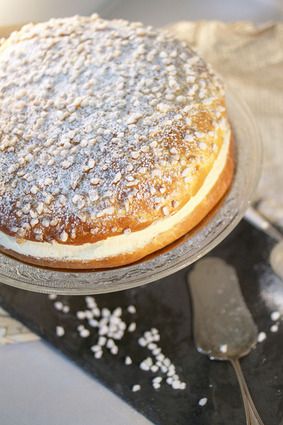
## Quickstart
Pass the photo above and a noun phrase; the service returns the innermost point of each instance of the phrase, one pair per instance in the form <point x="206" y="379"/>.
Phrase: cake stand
<point x="182" y="253"/>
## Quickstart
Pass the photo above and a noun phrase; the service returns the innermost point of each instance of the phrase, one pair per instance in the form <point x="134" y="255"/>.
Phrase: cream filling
<point x="125" y="243"/>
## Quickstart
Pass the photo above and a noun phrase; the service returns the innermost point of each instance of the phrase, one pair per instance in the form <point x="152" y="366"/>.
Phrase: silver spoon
<point x="276" y="255"/>
<point x="223" y="326"/>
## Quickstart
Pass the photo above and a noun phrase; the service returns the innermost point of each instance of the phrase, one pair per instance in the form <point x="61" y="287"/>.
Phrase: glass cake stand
<point x="182" y="253"/>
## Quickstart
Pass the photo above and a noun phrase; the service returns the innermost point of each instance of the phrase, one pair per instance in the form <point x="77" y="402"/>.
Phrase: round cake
<point x="114" y="142"/>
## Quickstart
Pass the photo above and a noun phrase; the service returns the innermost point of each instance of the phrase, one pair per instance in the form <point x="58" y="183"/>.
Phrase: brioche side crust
<point x="159" y="242"/>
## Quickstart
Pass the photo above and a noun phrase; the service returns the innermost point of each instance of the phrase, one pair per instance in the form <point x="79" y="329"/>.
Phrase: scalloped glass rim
<point x="189" y="249"/>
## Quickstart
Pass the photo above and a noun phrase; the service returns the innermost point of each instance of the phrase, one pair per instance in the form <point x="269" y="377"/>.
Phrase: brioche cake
<point x="114" y="142"/>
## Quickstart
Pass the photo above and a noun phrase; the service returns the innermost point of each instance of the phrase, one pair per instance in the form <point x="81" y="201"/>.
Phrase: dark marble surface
<point x="166" y="306"/>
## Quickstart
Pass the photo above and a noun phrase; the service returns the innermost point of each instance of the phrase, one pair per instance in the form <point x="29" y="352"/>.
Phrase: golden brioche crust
<point x="105" y="128"/>
<point x="163" y="240"/>
<point x="104" y="132"/>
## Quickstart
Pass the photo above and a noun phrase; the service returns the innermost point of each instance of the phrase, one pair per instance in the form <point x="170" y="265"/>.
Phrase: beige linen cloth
<point x="250" y="59"/>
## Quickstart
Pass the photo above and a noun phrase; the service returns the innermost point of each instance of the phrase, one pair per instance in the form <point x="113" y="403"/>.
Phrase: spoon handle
<point x="257" y="220"/>
<point x="252" y="416"/>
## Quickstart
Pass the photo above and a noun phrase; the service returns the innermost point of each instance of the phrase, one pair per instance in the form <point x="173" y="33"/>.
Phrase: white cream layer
<point x="125" y="243"/>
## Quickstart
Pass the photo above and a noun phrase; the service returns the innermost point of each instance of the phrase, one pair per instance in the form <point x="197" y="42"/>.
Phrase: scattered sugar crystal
<point x="90" y="302"/>
<point x="131" y="309"/>
<point x="98" y="354"/>
<point x="81" y="315"/>
<point x="136" y="388"/>
<point x="128" y="360"/>
<point x="223" y="348"/>
<point x="95" y="348"/>
<point x="102" y="340"/>
<point x="111" y="327"/>
<point x="142" y="342"/>
<point x="146" y="364"/>
<point x="261" y="337"/>
<point x="114" y="350"/>
<point x="96" y="312"/>
<point x="110" y="343"/>
<point x="275" y="315"/>
<point x="159" y="362"/>
<point x="274" y="328"/>
<point x="105" y="312"/>
<point x="202" y="402"/>
<point x="60" y="331"/>
<point x="93" y="323"/>
<point x="154" y="368"/>
<point x="132" y="327"/>
<point x="84" y="333"/>
<point x="58" y="305"/>
<point x="117" y="312"/>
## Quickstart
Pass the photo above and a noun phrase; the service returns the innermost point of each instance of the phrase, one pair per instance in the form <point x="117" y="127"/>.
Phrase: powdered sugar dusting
<point x="82" y="99"/>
